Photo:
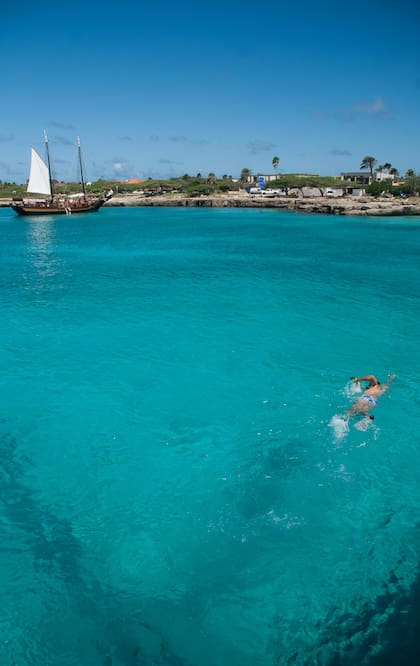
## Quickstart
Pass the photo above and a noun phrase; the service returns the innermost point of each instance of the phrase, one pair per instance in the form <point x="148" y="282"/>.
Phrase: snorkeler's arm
<point x="385" y="386"/>
<point x="367" y="378"/>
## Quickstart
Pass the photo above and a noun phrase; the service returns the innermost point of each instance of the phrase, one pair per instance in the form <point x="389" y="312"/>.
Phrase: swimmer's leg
<point x="363" y="424"/>
<point x="359" y="407"/>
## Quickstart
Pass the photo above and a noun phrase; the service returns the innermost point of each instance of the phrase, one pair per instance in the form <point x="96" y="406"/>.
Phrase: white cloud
<point x="178" y="138"/>
<point x="120" y="168"/>
<point x="63" y="141"/>
<point x="255" y="147"/>
<point x="377" y="109"/>
<point x="371" y="108"/>
<point x="61" y="125"/>
<point x="319" y="114"/>
<point x="339" y="152"/>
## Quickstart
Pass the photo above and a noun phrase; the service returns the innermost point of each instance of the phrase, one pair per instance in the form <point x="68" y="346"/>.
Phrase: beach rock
<point x="350" y="206"/>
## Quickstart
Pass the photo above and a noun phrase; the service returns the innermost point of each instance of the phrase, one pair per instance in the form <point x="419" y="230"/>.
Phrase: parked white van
<point x="273" y="193"/>
<point x="265" y="192"/>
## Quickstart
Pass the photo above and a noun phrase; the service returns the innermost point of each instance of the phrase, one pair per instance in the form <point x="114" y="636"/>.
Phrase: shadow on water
<point x="383" y="633"/>
<point x="386" y="634"/>
<point x="111" y="634"/>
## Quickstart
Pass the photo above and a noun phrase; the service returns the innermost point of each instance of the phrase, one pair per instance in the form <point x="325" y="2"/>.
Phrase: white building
<point x="380" y="176"/>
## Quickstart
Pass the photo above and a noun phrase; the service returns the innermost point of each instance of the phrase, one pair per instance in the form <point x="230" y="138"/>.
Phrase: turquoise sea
<point x="177" y="487"/>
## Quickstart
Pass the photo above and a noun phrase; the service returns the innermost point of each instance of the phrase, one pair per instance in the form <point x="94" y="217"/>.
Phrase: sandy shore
<point x="330" y="206"/>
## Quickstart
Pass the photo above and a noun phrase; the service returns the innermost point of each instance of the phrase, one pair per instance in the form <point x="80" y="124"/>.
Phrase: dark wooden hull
<point x="47" y="208"/>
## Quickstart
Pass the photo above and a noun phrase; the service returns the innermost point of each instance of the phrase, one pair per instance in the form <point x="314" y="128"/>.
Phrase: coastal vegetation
<point x="193" y="186"/>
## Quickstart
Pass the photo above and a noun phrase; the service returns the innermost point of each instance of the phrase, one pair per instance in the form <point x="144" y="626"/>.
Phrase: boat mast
<point x="48" y="164"/>
<point x="81" y="167"/>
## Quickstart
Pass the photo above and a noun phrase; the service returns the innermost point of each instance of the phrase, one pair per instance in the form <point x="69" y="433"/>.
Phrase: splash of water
<point x="340" y="427"/>
<point x="352" y="388"/>
<point x="363" y="424"/>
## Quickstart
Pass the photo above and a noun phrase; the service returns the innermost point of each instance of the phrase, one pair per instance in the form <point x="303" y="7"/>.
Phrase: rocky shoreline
<point x="351" y="206"/>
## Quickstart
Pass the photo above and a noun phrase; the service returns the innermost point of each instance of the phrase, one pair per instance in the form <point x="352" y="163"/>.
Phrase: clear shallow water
<point x="172" y="491"/>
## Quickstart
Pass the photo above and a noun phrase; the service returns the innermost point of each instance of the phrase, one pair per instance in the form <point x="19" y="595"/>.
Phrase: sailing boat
<point x="40" y="182"/>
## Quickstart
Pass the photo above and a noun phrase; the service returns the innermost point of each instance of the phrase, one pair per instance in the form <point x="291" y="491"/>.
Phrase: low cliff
<point x="355" y="206"/>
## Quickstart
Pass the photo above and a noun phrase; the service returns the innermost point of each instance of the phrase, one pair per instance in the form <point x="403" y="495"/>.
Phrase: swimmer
<point x="370" y="395"/>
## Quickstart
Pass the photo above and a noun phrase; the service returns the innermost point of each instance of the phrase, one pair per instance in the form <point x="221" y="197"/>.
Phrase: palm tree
<point x="245" y="174"/>
<point x="393" y="171"/>
<point x="410" y="174"/>
<point x="211" y="178"/>
<point x="387" y="166"/>
<point x="275" y="163"/>
<point x="369" y="162"/>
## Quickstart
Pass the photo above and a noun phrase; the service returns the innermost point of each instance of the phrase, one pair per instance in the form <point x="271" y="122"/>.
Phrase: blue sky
<point x="162" y="89"/>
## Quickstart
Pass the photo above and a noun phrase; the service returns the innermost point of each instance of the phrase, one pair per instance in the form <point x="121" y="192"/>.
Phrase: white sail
<point x="39" y="179"/>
